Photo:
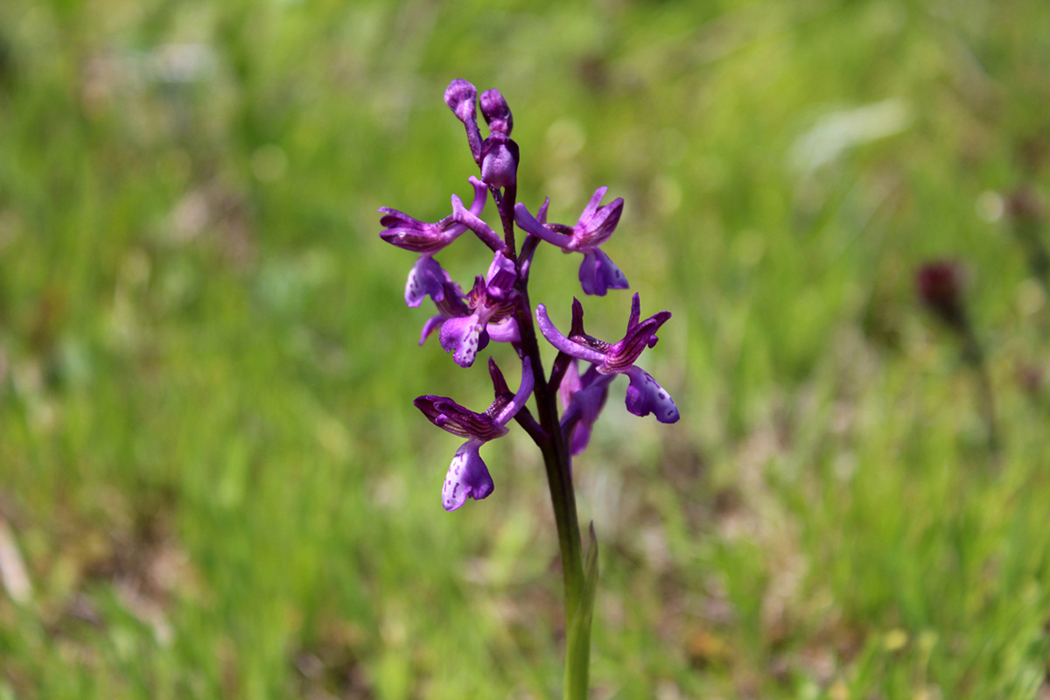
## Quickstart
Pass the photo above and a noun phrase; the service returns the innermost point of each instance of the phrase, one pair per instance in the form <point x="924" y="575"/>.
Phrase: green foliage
<point x="209" y="461"/>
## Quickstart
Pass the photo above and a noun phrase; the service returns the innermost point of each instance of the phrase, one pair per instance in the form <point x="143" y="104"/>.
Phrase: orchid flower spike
<point x="598" y="273"/>
<point x="468" y="477"/>
<point x="644" y="395"/>
<point x="403" y="231"/>
<point x="491" y="304"/>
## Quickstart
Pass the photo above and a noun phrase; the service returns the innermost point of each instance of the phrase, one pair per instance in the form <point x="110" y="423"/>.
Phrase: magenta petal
<point x="499" y="162"/>
<point x="506" y="331"/>
<point x="463" y="338"/>
<point x="645" y="396"/>
<point x="570" y="383"/>
<point x="588" y="275"/>
<point x="598" y="274"/>
<point x="425" y="277"/>
<point x="467" y="477"/>
<point x="581" y="436"/>
<point x="432" y="324"/>
<point x="560" y="342"/>
<point x="528" y="224"/>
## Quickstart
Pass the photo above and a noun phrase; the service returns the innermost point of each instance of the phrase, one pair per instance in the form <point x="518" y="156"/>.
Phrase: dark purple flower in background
<point x="644" y="394"/>
<point x="426" y="276"/>
<point x="598" y="273"/>
<point x="490" y="304"/>
<point x="940" y="285"/>
<point x="468" y="476"/>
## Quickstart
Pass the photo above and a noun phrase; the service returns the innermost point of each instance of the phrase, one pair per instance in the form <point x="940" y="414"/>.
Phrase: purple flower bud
<point x="644" y="395"/>
<point x="460" y="97"/>
<point x="499" y="161"/>
<point x="496" y="112"/>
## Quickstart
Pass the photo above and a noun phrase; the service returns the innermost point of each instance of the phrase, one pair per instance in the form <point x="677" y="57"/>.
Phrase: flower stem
<point x="556" y="459"/>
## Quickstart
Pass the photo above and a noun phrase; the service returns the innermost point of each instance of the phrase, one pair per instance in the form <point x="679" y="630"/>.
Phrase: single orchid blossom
<point x="644" y="394"/>
<point x="582" y="399"/>
<point x="453" y="305"/>
<point x="491" y="303"/>
<point x="403" y="231"/>
<point x="468" y="477"/>
<point x="598" y="273"/>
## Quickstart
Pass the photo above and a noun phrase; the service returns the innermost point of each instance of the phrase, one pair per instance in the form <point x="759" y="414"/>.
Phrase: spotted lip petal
<point x="468" y="477"/>
<point x="464" y="338"/>
<point x="645" y="396"/>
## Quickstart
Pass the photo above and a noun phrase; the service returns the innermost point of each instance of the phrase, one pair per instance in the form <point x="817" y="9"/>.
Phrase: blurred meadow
<point x="213" y="483"/>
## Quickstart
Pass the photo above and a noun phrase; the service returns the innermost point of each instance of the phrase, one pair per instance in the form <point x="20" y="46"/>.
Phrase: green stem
<point x="556" y="459"/>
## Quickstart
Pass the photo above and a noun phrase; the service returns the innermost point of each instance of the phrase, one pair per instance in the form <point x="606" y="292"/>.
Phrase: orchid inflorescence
<point x="496" y="309"/>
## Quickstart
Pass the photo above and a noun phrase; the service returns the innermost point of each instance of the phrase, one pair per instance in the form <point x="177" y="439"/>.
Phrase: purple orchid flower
<point x="426" y="276"/>
<point x="644" y="395"/>
<point x="582" y="400"/>
<point x="598" y="273"/>
<point x="453" y="305"/>
<point x="491" y="303"/>
<point x="468" y="477"/>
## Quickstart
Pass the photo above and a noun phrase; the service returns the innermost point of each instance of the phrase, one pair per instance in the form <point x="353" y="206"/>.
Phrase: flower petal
<point x="501" y="276"/>
<point x="581" y="437"/>
<point x="506" y="331"/>
<point x="425" y="278"/>
<point x="524" y="389"/>
<point x="467" y="477"/>
<point x="559" y="341"/>
<point x="463" y="337"/>
<point x="645" y="396"/>
<point x="453" y="418"/>
<point x="499" y="161"/>
<point x="460" y="97"/>
<point x="604" y="275"/>
<point x="432" y="324"/>
<point x="528" y="224"/>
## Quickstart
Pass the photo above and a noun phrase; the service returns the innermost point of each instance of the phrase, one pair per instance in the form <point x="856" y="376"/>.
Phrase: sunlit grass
<point x="209" y="461"/>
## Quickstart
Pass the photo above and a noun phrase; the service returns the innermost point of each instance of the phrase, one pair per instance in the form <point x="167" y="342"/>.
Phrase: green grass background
<point x="209" y="460"/>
